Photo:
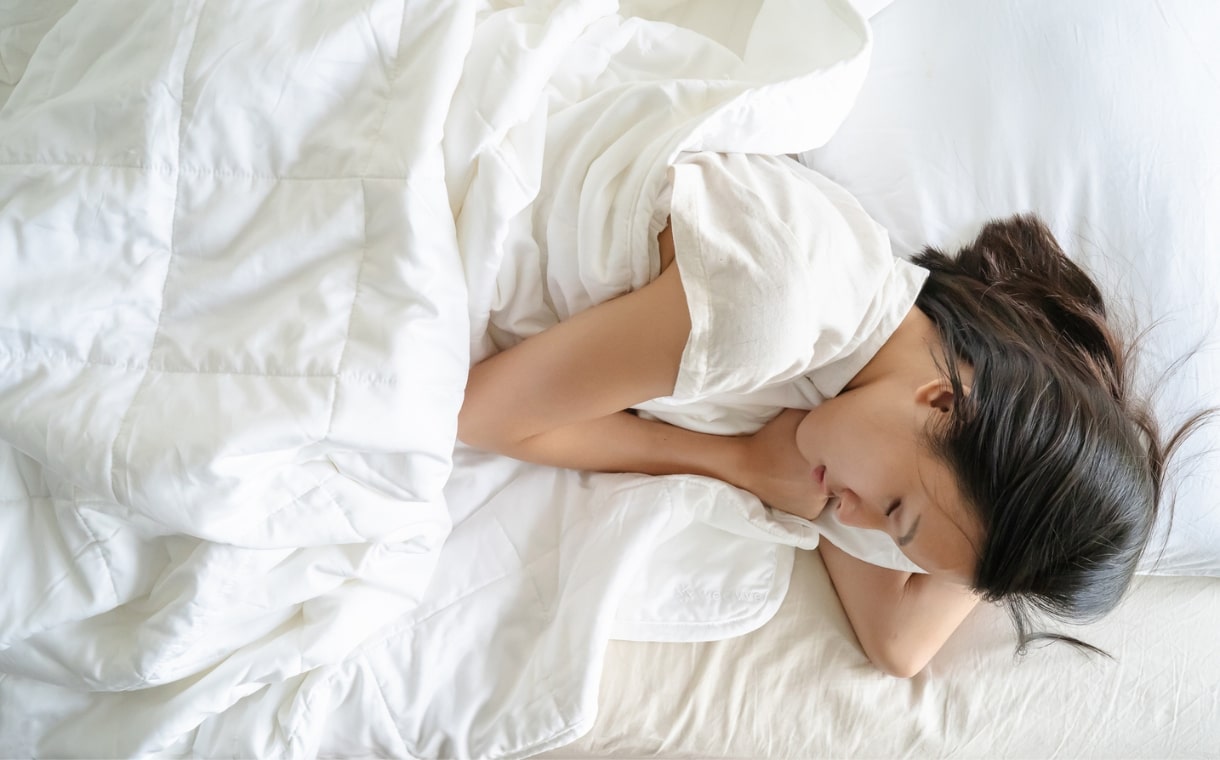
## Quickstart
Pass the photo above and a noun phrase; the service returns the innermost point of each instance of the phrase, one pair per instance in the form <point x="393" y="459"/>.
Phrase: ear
<point x="937" y="394"/>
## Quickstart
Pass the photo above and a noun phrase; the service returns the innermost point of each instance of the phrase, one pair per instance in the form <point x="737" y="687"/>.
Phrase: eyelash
<point x="893" y="507"/>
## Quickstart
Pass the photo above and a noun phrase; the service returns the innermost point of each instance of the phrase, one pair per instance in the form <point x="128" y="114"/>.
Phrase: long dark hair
<point x="1062" y="463"/>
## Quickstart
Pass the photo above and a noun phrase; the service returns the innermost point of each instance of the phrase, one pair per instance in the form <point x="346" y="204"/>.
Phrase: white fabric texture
<point x="801" y="687"/>
<point x="249" y="252"/>
<point x="784" y="274"/>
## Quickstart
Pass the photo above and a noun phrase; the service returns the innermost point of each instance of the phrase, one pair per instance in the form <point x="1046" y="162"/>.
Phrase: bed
<point x="250" y="250"/>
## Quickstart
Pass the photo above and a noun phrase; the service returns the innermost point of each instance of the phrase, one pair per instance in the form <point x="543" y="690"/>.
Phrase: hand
<point x="776" y="472"/>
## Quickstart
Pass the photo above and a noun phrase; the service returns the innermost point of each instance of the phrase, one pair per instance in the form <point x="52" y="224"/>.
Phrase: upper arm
<point x="901" y="619"/>
<point x="602" y="360"/>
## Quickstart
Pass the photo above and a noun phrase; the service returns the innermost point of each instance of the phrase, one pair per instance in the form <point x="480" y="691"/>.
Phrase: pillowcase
<point x="1105" y="120"/>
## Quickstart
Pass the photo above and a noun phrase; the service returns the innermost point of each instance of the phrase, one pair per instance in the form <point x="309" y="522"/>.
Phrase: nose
<point x="854" y="513"/>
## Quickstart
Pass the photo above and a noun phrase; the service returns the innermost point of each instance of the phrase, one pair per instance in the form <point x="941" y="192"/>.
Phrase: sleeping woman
<point x="975" y="407"/>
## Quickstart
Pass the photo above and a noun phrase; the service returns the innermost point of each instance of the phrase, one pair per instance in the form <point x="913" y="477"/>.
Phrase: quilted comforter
<point x="248" y="251"/>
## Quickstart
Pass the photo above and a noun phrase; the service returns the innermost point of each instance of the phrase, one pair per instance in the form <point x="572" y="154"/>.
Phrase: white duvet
<point x="248" y="251"/>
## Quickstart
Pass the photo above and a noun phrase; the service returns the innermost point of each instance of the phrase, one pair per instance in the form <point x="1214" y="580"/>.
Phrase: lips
<point x="832" y="499"/>
<point x="819" y="476"/>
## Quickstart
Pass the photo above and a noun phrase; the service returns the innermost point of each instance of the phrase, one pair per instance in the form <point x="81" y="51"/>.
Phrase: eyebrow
<point x="910" y="536"/>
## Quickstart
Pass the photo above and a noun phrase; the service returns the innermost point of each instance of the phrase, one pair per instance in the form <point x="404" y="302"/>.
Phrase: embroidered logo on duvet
<point x="686" y="593"/>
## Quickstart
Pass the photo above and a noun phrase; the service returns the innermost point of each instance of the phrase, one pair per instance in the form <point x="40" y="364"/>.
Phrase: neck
<point x="909" y="353"/>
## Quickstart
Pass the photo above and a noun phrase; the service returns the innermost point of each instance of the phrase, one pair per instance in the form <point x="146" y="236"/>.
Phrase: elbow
<point x="894" y="659"/>
<point x="479" y="426"/>
<point x="476" y="422"/>
<point x="900" y="668"/>
<point x="467" y="428"/>
<point x="473" y="430"/>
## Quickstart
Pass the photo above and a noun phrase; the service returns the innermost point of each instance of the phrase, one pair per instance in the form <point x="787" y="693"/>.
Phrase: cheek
<point x="819" y="419"/>
<point x="817" y="431"/>
<point x="828" y="436"/>
<point x="805" y="435"/>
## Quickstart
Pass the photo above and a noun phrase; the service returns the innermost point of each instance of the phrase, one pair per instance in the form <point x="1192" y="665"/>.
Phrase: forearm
<point x="557" y="398"/>
<point x="901" y="619"/>
<point x="623" y="442"/>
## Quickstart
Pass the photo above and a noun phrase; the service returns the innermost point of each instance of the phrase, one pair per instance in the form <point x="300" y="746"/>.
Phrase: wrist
<point x="741" y="469"/>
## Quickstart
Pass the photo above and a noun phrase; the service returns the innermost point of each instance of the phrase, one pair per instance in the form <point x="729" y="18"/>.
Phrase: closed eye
<point x="910" y="534"/>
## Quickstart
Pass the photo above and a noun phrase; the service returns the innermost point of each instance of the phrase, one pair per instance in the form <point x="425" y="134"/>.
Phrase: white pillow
<point x="1104" y="118"/>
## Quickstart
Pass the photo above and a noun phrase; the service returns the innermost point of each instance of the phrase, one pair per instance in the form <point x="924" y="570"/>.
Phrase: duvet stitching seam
<point x="101" y="552"/>
<point x="342" y="508"/>
<point x="351" y="315"/>
<point x="391" y="76"/>
<point x="385" y="704"/>
<point x="293" y="728"/>
<point x="297" y="498"/>
<point x="351" y="376"/>
<point x="60" y="163"/>
<point x="186" y="65"/>
<point x="200" y="171"/>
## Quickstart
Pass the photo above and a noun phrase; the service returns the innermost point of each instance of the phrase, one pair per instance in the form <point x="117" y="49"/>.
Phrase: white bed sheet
<point x="801" y="687"/>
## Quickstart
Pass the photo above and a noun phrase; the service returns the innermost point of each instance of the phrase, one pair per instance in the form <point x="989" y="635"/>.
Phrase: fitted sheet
<point x="801" y="687"/>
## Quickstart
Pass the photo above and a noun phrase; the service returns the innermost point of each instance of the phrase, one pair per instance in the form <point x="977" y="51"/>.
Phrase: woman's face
<point x="865" y="447"/>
